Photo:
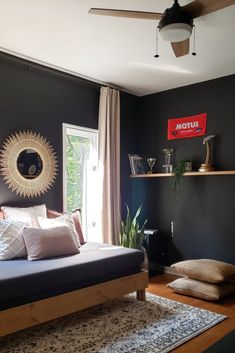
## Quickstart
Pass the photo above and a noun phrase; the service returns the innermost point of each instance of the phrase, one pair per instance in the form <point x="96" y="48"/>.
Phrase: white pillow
<point x="64" y="220"/>
<point x="28" y="214"/>
<point x="11" y="240"/>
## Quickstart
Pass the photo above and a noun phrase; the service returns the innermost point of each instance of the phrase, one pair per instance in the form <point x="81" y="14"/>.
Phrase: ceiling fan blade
<point x="203" y="7"/>
<point x="180" y="48"/>
<point x="126" y="13"/>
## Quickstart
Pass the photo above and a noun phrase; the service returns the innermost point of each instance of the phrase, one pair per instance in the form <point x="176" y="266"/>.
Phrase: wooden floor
<point x="206" y="339"/>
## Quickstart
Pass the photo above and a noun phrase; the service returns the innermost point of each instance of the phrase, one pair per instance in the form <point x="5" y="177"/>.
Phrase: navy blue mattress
<point x="23" y="281"/>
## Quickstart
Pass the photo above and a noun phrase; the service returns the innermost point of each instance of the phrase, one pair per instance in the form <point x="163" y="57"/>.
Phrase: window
<point x="80" y="177"/>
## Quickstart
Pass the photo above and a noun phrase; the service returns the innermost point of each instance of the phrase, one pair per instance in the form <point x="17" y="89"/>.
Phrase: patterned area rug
<point x="125" y="325"/>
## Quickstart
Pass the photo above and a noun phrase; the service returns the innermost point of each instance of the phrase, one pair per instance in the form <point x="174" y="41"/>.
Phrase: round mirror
<point x="29" y="164"/>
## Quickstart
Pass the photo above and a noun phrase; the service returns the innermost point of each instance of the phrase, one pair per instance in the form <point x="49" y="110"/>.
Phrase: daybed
<point x="33" y="292"/>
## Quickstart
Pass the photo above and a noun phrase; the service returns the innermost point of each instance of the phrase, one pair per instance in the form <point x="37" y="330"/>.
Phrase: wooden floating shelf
<point x="160" y="175"/>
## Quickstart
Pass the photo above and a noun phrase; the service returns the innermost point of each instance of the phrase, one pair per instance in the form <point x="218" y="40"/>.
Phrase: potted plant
<point x="132" y="233"/>
<point x="183" y="166"/>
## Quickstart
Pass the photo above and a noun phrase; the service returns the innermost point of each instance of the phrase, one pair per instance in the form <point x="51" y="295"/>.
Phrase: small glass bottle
<point x="167" y="167"/>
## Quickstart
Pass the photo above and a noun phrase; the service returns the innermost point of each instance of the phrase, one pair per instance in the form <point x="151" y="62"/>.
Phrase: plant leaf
<point x="131" y="233"/>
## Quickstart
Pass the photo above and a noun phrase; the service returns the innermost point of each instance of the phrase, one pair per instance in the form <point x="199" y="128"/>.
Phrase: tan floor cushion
<point x="202" y="290"/>
<point x="206" y="270"/>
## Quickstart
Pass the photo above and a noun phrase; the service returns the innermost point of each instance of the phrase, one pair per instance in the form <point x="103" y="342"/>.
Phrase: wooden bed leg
<point x="140" y="294"/>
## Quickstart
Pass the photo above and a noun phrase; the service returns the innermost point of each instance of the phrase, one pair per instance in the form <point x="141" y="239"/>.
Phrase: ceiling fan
<point x="176" y="23"/>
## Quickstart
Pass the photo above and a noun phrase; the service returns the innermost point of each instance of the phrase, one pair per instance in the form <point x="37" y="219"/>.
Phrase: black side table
<point x="156" y="248"/>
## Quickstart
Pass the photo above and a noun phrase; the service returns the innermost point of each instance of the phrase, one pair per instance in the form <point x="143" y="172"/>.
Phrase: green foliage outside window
<point x="77" y="155"/>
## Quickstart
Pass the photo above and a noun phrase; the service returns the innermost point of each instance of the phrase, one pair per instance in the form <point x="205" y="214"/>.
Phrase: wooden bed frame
<point x="28" y="315"/>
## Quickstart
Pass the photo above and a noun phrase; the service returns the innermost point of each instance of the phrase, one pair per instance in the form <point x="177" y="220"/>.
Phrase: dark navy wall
<point x="41" y="99"/>
<point x="203" y="211"/>
<point x="32" y="97"/>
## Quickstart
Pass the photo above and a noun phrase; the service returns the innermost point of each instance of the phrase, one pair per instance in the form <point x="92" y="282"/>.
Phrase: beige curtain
<point x="109" y="162"/>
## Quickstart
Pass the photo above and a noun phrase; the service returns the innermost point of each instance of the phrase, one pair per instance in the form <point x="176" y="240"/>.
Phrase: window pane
<point x="81" y="184"/>
<point x="78" y="153"/>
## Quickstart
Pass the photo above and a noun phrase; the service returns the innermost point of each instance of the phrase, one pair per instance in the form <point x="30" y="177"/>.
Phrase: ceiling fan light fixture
<point x="176" y="24"/>
<point x="176" y="32"/>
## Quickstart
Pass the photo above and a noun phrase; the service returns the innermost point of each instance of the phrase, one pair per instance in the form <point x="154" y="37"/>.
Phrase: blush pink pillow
<point x="76" y="215"/>
<point x="50" y="242"/>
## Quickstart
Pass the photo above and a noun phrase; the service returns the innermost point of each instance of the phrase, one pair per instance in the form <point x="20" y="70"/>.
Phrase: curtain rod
<point x="43" y="65"/>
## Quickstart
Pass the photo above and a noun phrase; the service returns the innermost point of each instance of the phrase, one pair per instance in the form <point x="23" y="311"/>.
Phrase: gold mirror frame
<point x="12" y="147"/>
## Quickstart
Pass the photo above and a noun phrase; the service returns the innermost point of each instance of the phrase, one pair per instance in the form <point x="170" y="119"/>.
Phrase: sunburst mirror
<point x="28" y="163"/>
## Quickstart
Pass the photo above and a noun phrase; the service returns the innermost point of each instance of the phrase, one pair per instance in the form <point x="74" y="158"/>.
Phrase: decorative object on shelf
<point x="136" y="164"/>
<point x="132" y="233"/>
<point x="151" y="162"/>
<point x="183" y="166"/>
<point x="188" y="166"/>
<point x="207" y="166"/>
<point x="168" y="160"/>
<point x="187" y="127"/>
<point x="28" y="163"/>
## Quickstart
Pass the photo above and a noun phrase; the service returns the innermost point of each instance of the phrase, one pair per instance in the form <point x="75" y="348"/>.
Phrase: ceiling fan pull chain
<point x="157" y="31"/>
<point x="194" y="40"/>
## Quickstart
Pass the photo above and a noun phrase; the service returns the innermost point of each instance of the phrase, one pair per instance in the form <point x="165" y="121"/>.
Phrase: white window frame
<point x="81" y="131"/>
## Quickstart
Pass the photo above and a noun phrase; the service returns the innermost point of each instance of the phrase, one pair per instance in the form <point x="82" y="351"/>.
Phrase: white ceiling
<point x="116" y="51"/>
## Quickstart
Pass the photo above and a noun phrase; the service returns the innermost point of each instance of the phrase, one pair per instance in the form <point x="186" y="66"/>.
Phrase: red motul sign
<point x="191" y="126"/>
